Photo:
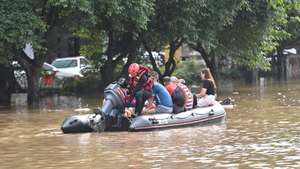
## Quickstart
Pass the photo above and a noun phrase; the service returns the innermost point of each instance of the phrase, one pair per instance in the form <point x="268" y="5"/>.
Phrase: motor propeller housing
<point x="102" y="118"/>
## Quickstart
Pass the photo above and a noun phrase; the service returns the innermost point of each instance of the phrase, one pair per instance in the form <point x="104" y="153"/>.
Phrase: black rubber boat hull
<point x="77" y="124"/>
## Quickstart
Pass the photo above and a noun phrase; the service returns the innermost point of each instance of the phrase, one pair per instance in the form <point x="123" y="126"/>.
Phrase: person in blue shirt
<point x="161" y="97"/>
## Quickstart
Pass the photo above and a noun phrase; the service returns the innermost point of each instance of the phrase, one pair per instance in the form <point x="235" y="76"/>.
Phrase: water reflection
<point x="262" y="131"/>
<point x="55" y="103"/>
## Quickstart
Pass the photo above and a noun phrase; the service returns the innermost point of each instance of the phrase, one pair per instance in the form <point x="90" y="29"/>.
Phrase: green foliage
<point x="94" y="47"/>
<point x="212" y="18"/>
<point x="28" y="21"/>
<point x="19" y="25"/>
<point x="114" y="34"/>
<point x="189" y="70"/>
<point x="245" y="31"/>
<point x="287" y="21"/>
<point x="119" y="15"/>
<point x="240" y="33"/>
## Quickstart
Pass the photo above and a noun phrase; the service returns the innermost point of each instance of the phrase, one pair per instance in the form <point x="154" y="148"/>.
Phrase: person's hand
<point x="152" y="106"/>
<point x="128" y="112"/>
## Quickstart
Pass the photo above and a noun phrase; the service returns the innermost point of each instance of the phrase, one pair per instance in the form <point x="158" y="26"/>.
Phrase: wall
<point x="293" y="66"/>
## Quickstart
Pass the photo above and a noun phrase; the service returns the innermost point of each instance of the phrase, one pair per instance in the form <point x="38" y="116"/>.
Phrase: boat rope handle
<point x="211" y="112"/>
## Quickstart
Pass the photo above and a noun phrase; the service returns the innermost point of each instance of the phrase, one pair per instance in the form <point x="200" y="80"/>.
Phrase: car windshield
<point x="65" y="63"/>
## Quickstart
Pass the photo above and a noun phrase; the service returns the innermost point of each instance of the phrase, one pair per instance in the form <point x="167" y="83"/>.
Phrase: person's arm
<point x="203" y="89"/>
<point x="123" y="82"/>
<point x="143" y="79"/>
<point x="202" y="92"/>
<point x="150" y="106"/>
<point x="149" y="102"/>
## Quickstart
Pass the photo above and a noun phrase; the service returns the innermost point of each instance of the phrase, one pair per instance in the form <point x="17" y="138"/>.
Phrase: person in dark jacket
<point x="140" y="85"/>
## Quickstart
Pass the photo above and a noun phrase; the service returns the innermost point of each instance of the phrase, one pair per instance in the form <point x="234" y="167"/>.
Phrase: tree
<point x="172" y="21"/>
<point x="287" y="24"/>
<point x="213" y="18"/>
<point x="35" y="22"/>
<point x="19" y="26"/>
<point x="119" y="22"/>
<point x="248" y="34"/>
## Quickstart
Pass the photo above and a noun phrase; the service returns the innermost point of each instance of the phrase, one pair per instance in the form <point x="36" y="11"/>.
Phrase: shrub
<point x="87" y="84"/>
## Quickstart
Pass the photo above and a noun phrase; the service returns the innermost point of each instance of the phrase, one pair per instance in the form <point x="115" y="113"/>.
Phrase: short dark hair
<point x="154" y="74"/>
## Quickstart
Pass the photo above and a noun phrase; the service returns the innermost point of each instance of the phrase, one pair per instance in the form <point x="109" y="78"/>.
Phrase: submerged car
<point x="70" y="66"/>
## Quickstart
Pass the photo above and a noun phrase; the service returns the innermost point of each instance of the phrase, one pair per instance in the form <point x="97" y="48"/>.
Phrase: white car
<point x="69" y="67"/>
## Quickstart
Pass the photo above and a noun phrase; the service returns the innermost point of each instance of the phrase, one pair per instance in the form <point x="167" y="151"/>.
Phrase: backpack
<point x="178" y="97"/>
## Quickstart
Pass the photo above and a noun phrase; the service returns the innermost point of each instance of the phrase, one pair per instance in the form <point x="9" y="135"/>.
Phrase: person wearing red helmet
<point x="140" y="85"/>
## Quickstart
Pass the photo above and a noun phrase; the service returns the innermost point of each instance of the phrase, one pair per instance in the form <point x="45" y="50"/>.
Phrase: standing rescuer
<point x="140" y="85"/>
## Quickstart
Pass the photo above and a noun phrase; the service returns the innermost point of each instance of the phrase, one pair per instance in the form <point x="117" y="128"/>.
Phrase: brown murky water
<point x="262" y="131"/>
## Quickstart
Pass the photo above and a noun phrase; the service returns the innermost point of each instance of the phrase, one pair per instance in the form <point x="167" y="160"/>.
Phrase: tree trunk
<point x="170" y="66"/>
<point x="107" y="73"/>
<point x="116" y="51"/>
<point x="7" y="85"/>
<point x="211" y="63"/>
<point x="152" y="60"/>
<point x="131" y="54"/>
<point x="209" y="60"/>
<point x="32" y="69"/>
<point x="33" y="85"/>
<point x="130" y="59"/>
<point x="274" y="67"/>
<point x="281" y="65"/>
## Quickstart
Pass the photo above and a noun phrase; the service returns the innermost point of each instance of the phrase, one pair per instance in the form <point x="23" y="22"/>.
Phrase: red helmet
<point x="133" y="69"/>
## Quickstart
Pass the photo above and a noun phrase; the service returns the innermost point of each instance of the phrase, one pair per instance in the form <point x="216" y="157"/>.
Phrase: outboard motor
<point x="113" y="105"/>
<point x="103" y="118"/>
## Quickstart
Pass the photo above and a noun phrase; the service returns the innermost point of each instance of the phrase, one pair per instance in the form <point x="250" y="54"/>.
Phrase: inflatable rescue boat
<point x="110" y="116"/>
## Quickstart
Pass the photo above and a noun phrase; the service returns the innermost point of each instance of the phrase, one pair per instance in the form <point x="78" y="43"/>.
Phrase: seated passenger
<point x="187" y="102"/>
<point x="208" y="91"/>
<point x="194" y="95"/>
<point x="171" y="84"/>
<point x="177" y="95"/>
<point x="182" y="81"/>
<point x="161" y="97"/>
<point x="188" y="105"/>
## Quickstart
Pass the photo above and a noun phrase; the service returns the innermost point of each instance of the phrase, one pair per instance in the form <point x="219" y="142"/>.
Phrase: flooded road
<point x="262" y="131"/>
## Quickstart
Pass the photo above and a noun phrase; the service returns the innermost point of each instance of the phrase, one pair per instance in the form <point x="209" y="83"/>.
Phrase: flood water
<point x="262" y="131"/>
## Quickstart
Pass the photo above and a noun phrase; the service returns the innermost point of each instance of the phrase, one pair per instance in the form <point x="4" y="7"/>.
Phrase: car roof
<point x="71" y="58"/>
